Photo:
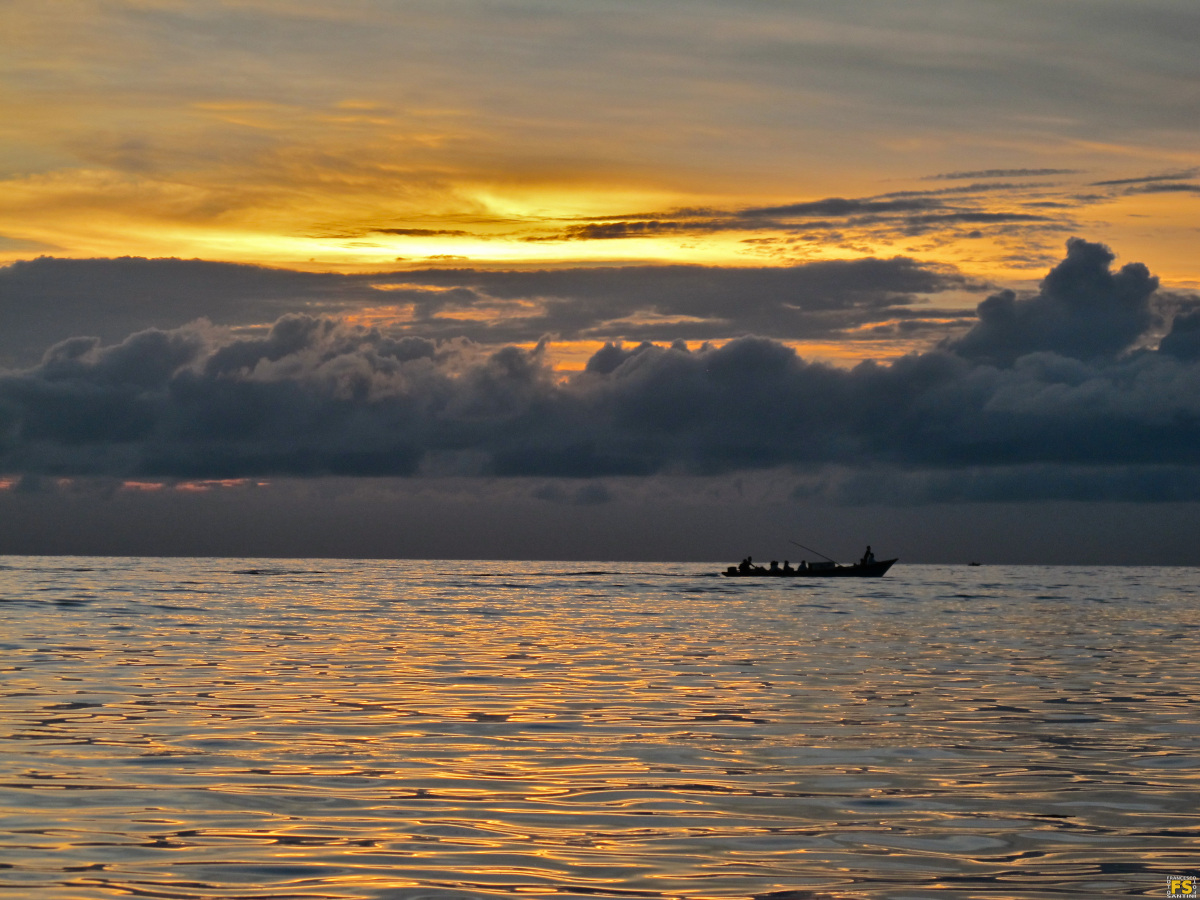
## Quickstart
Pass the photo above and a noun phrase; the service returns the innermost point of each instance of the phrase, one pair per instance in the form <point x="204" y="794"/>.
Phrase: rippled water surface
<point x="345" y="729"/>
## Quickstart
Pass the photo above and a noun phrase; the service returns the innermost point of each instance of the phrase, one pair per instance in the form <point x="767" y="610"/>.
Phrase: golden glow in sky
<point x="514" y="134"/>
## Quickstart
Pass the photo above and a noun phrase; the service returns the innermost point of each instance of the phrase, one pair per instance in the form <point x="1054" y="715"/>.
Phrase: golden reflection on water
<point x="211" y="728"/>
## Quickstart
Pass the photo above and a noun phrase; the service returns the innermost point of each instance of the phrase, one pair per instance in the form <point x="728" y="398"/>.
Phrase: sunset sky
<point x="586" y="279"/>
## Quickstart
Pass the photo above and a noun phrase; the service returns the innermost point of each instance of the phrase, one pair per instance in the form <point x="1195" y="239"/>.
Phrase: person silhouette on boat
<point x="774" y="570"/>
<point x="803" y="566"/>
<point x="868" y="557"/>
<point x="745" y="566"/>
<point x="787" y="568"/>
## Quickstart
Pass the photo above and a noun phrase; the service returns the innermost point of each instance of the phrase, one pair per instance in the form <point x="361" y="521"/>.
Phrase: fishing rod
<point x="811" y="550"/>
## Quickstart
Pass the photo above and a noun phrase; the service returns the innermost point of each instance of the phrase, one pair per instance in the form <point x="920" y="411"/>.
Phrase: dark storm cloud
<point x="45" y="300"/>
<point x="48" y="300"/>
<point x="812" y="300"/>
<point x="1083" y="310"/>
<point x="1183" y="340"/>
<point x="1040" y="383"/>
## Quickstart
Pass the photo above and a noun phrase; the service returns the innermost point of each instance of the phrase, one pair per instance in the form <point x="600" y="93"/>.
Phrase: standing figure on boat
<point x="868" y="557"/>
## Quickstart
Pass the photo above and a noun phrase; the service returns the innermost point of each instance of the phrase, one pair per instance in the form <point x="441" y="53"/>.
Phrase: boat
<point x="873" y="569"/>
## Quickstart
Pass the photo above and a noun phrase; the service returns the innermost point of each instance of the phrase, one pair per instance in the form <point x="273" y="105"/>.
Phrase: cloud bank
<point x="44" y="301"/>
<point x="1039" y="382"/>
<point x="1083" y="311"/>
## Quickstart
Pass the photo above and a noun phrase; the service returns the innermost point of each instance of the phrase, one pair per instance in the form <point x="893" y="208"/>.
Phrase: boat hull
<point x="859" y="570"/>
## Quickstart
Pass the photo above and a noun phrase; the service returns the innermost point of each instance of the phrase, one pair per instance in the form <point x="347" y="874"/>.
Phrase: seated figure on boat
<point x="745" y="566"/>
<point x="774" y="570"/>
<point x="787" y="568"/>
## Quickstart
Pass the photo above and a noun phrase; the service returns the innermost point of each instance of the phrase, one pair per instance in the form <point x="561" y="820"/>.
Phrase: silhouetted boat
<point x="817" y="570"/>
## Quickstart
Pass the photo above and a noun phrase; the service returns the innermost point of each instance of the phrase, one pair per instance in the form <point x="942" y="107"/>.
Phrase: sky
<point x="601" y="280"/>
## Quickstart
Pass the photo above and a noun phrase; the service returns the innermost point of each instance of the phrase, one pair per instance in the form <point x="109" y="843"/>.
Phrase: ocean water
<point x="217" y="728"/>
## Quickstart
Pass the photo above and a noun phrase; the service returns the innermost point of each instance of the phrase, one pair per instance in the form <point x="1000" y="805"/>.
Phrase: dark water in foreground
<point x="342" y="729"/>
